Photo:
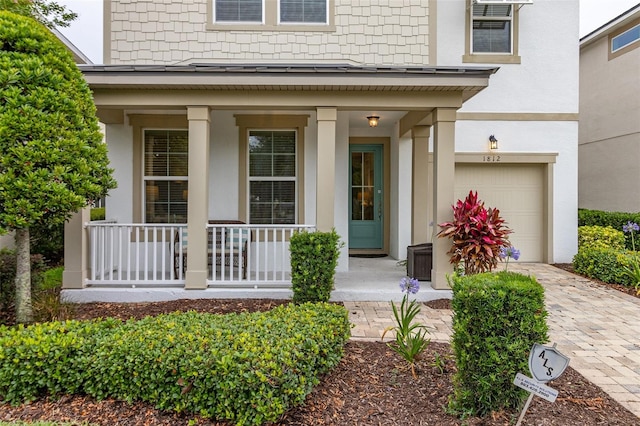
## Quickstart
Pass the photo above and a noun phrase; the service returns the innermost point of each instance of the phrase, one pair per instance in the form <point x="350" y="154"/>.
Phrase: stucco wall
<point x="120" y="145"/>
<point x="531" y="106"/>
<point x="380" y="32"/>
<point x="546" y="80"/>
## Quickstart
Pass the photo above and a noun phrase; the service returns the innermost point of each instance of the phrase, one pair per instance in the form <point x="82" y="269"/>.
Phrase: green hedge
<point x="46" y="358"/>
<point x="605" y="264"/>
<point x="98" y="213"/>
<point x="247" y="368"/>
<point x="497" y="319"/>
<point x="600" y="237"/>
<point x="613" y="219"/>
<point x="314" y="257"/>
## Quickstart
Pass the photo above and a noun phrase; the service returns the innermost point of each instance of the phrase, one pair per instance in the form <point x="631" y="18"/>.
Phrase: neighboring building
<point x="259" y="112"/>
<point x="609" y="132"/>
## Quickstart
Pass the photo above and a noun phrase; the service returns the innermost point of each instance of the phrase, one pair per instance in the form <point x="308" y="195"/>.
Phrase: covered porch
<point x="217" y="106"/>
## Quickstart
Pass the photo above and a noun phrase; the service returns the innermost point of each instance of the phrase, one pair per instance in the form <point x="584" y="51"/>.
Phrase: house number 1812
<point x="491" y="158"/>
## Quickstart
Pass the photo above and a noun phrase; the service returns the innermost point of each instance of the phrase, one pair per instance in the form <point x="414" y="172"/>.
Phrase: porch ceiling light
<point x="493" y="142"/>
<point x="373" y="120"/>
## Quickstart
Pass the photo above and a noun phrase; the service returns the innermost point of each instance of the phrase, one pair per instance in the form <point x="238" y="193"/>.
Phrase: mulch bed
<point x="372" y="385"/>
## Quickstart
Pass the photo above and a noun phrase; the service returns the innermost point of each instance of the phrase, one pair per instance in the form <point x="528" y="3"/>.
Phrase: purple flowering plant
<point x="411" y="338"/>
<point x="508" y="252"/>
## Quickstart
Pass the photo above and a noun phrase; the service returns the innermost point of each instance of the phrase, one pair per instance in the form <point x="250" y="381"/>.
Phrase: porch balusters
<point x="155" y="254"/>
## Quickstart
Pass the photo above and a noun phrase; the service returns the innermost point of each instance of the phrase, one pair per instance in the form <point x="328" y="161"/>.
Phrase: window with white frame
<point x="250" y="11"/>
<point x="166" y="175"/>
<point x="272" y="177"/>
<point x="303" y="11"/>
<point x="630" y="36"/>
<point x="492" y="29"/>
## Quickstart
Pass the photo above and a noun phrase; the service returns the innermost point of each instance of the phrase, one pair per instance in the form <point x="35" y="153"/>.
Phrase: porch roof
<point x="288" y="77"/>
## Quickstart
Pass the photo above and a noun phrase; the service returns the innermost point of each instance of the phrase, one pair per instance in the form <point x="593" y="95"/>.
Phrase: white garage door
<point x="517" y="190"/>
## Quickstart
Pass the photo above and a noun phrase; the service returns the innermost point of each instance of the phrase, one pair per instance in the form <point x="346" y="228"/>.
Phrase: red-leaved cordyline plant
<point x="477" y="233"/>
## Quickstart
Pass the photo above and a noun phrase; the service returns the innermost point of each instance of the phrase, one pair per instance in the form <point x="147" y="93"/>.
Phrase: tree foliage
<point x="52" y="159"/>
<point x="49" y="13"/>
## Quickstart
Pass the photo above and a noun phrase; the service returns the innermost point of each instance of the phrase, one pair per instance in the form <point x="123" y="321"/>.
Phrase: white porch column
<point x="444" y="120"/>
<point x="76" y="250"/>
<point x="326" y="169"/>
<point x="198" y="202"/>
<point x="420" y="232"/>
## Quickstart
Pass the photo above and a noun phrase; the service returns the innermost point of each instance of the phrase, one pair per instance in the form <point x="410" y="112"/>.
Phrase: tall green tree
<point x="52" y="158"/>
<point x="46" y="12"/>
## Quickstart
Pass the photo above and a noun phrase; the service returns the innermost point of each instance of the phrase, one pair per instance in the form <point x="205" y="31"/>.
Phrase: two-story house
<point x="233" y="123"/>
<point x="609" y="132"/>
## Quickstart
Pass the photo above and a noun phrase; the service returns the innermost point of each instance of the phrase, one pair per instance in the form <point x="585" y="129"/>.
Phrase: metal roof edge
<point x="211" y="68"/>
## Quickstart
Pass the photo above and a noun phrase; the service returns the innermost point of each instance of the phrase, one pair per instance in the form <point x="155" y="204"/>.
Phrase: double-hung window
<point x="492" y="33"/>
<point x="166" y="175"/>
<point x="492" y="28"/>
<point x="238" y="11"/>
<point x="303" y="11"/>
<point x="272" y="176"/>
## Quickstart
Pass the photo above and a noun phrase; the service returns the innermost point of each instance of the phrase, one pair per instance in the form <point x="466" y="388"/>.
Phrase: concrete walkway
<point x="598" y="328"/>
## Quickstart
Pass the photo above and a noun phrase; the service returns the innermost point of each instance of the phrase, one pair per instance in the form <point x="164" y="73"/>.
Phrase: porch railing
<point x="157" y="254"/>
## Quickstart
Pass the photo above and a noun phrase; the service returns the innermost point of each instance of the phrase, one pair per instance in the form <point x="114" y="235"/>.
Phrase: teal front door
<point x="366" y="208"/>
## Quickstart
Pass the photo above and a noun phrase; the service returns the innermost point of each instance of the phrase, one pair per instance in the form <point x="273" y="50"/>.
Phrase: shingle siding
<point x="390" y="32"/>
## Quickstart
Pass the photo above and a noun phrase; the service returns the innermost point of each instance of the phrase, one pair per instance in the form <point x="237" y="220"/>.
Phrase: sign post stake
<point x="545" y="364"/>
<point x="524" y="410"/>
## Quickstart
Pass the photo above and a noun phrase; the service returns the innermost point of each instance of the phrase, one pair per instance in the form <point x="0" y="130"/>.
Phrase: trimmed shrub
<point x="45" y="358"/>
<point x="600" y="237"/>
<point x="497" y="319"/>
<point x="98" y="213"/>
<point x="616" y="220"/>
<point x="605" y="264"/>
<point x="314" y="257"/>
<point x="247" y="368"/>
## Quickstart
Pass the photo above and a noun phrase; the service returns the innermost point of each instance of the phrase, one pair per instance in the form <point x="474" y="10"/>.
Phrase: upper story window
<point x="492" y="28"/>
<point x="303" y="11"/>
<point x="271" y="15"/>
<point x="492" y="33"/>
<point x="166" y="175"/>
<point x="630" y="36"/>
<point x="238" y="11"/>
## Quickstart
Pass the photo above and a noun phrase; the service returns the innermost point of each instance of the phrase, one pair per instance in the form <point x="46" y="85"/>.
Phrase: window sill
<point x="491" y="59"/>
<point x="263" y="27"/>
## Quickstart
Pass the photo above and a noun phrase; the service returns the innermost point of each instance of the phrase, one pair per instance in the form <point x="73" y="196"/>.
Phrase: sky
<point x="86" y="31"/>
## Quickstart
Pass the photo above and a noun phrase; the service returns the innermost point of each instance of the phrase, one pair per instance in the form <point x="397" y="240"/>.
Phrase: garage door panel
<point x="517" y="191"/>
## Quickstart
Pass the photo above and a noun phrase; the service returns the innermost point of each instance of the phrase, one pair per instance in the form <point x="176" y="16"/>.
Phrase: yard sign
<point x="545" y="364"/>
